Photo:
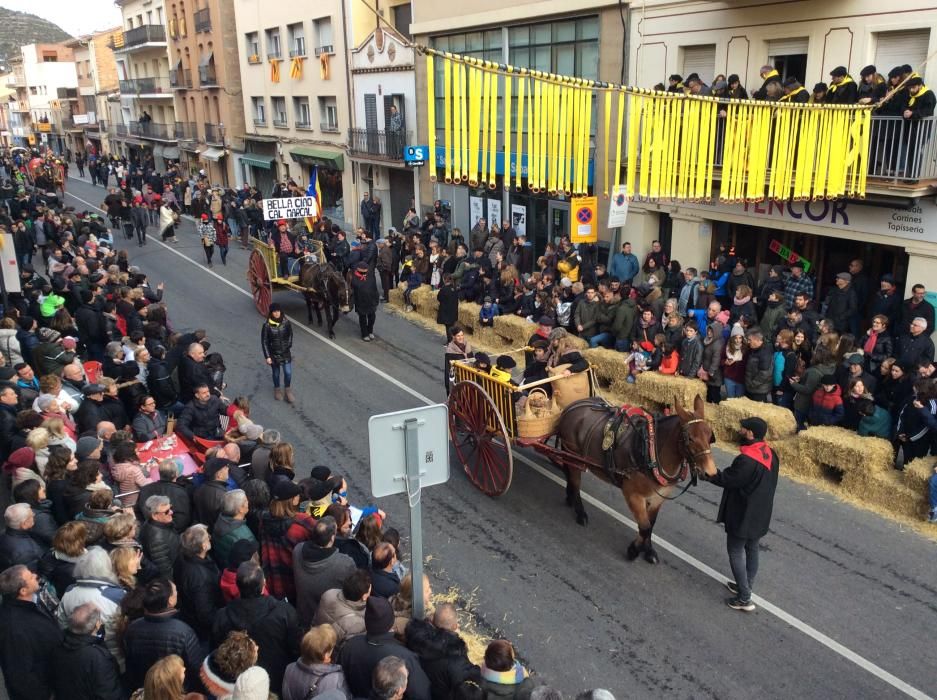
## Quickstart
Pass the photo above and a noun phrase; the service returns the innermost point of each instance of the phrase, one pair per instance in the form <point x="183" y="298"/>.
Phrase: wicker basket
<point x="571" y="388"/>
<point x="538" y="420"/>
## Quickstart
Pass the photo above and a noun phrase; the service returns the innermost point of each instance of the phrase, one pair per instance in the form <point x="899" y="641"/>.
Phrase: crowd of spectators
<point x="127" y="578"/>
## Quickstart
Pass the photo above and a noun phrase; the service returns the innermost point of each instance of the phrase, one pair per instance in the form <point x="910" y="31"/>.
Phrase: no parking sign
<point x="583" y="221"/>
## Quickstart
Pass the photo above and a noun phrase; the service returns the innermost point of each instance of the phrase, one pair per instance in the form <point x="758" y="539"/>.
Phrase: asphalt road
<point x="848" y="601"/>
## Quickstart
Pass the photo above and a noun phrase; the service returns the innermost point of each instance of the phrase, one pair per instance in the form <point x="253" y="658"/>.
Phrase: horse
<point x="682" y="440"/>
<point x="324" y="288"/>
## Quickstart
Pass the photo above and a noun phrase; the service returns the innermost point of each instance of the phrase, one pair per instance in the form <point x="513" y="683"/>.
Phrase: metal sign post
<point x="409" y="450"/>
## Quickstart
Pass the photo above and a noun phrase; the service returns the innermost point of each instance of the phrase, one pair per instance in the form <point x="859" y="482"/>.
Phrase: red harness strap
<point x="662" y="478"/>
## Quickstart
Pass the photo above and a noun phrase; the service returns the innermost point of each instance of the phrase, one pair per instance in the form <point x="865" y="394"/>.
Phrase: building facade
<point x="296" y="99"/>
<point x="147" y="124"/>
<point x="894" y="230"/>
<point x="98" y="87"/>
<point x="205" y="80"/>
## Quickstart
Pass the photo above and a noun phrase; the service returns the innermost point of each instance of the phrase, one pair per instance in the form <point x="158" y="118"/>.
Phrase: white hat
<point x="253" y="684"/>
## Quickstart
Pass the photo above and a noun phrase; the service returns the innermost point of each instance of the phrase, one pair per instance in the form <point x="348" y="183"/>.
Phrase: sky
<point x="74" y="16"/>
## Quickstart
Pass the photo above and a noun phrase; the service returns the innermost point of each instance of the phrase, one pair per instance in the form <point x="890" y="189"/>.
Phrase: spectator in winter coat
<point x="443" y="654"/>
<point x="343" y="608"/>
<point x="158" y="537"/>
<point x="173" y="488"/>
<point x="16" y="544"/>
<point x="826" y="406"/>
<point x="197" y="576"/>
<point x="201" y="416"/>
<point x="271" y="623"/>
<point x="759" y="370"/>
<point x="231" y="526"/>
<point x="691" y="351"/>
<point x="314" y="668"/>
<point x="29" y="637"/>
<point x="83" y="667"/>
<point x="916" y="346"/>
<point x="624" y="265"/>
<point x="886" y="301"/>
<point x="841" y="303"/>
<point x="913" y="307"/>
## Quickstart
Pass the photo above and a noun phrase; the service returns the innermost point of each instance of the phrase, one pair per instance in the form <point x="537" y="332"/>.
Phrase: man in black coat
<point x="361" y="654"/>
<point x="366" y="299"/>
<point x="197" y="577"/>
<point x="9" y="403"/>
<point x="84" y="668"/>
<point x="201" y="416"/>
<point x="17" y="546"/>
<point x="159" y="539"/>
<point x="448" y="312"/>
<point x="29" y="637"/>
<point x="749" y="484"/>
<point x="160" y="633"/>
<point x="209" y="497"/>
<point x="192" y="372"/>
<point x="913" y="307"/>
<point x="915" y="346"/>
<point x="91" y="411"/>
<point x="841" y="302"/>
<point x="272" y="624"/>
<point x="172" y="487"/>
<point x="443" y="654"/>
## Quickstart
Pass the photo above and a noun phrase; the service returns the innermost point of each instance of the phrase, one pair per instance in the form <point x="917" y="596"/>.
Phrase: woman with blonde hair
<point x="282" y="463"/>
<point x="58" y="434"/>
<point x="58" y="564"/>
<point x="315" y="667"/>
<point x="120" y="530"/>
<point x="564" y="351"/>
<point x="402" y="604"/>
<point x="38" y="440"/>
<point x="164" y="681"/>
<point x="126" y="562"/>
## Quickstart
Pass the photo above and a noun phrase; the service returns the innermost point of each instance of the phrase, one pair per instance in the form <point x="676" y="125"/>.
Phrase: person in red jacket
<point x="222" y="235"/>
<point x="826" y="407"/>
<point x="241" y="551"/>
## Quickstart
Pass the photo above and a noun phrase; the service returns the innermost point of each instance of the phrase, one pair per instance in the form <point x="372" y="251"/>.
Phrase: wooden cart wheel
<point x="480" y="439"/>
<point x="259" y="279"/>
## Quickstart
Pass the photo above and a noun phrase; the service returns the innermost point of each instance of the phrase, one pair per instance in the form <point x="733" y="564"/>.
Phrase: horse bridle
<point x="687" y="445"/>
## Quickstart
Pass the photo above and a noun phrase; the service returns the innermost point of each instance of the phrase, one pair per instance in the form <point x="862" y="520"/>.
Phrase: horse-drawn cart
<point x="483" y="426"/>
<point x="263" y="273"/>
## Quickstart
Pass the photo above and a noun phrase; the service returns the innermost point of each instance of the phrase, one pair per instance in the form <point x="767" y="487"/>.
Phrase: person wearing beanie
<point x="827" y="402"/>
<point x="253" y="684"/>
<point x="365" y="298"/>
<point x="820" y="93"/>
<point x="207" y="235"/>
<point x="794" y="92"/>
<point x="735" y="90"/>
<point x="276" y="341"/>
<point x="843" y="89"/>
<point x="872" y="86"/>
<point x="748" y="484"/>
<point x="361" y="654"/>
<point x="920" y="105"/>
<point x="240" y="552"/>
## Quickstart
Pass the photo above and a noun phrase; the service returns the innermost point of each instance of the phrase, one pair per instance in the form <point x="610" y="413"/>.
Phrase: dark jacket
<point x="179" y="498"/>
<point x="161" y="384"/>
<point x="91" y="326"/>
<point x="316" y="570"/>
<point x="29" y="642"/>
<point x="86" y="670"/>
<point x="361" y="654"/>
<point x="364" y="292"/>
<point x="841" y="304"/>
<point x="883" y="349"/>
<point x="43" y="530"/>
<point x="448" y="312"/>
<point x="191" y="374"/>
<point x="384" y="583"/>
<point x="208" y="500"/>
<point x="691" y="357"/>
<point x="199" y="594"/>
<point x="88" y="415"/>
<point x="910" y="311"/>
<point x="271" y="623"/>
<point x="7" y="429"/>
<point x="151" y="637"/>
<point x="443" y="656"/>
<point x="276" y="339"/>
<point x="915" y="348"/>
<point x="19" y="547"/>
<point x="201" y="419"/>
<point x="759" y="372"/>
<point x="227" y="531"/>
<point x="748" y="496"/>
<point x="160" y="545"/>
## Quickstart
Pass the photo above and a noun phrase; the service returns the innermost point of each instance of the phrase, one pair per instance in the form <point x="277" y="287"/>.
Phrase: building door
<point x="401" y="193"/>
<point x="370" y="122"/>
<point x="557" y="220"/>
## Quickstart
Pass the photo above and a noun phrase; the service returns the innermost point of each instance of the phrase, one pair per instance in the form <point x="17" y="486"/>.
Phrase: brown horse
<point x="325" y="288"/>
<point x="682" y="439"/>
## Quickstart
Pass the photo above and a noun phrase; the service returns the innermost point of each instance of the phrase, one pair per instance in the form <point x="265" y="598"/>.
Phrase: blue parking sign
<point x="415" y="155"/>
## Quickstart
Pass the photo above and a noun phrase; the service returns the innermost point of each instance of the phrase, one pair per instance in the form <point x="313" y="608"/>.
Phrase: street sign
<point x="618" y="207"/>
<point x="415" y="156"/>
<point x="409" y="450"/>
<point x="583" y="222"/>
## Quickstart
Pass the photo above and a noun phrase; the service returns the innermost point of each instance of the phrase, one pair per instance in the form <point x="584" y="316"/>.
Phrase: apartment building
<point x="296" y="98"/>
<point x="205" y="80"/>
<point x="894" y="230"/>
<point x="47" y="88"/>
<point x="19" y="120"/>
<point x="147" y="124"/>
<point x="384" y="105"/>
<point x="86" y="126"/>
<point x="7" y="97"/>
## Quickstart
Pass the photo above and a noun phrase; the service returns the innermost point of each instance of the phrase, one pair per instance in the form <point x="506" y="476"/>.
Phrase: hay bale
<point x="475" y="642"/>
<point x="847" y="452"/>
<point x="424" y="300"/>
<point x="486" y="340"/>
<point x="667" y="389"/>
<point x="794" y="462"/>
<point x="887" y="492"/>
<point x="396" y="297"/>
<point x="514" y="329"/>
<point x="608" y="365"/>
<point x="623" y="392"/>
<point x="725" y="420"/>
<point x="468" y="315"/>
<point x="917" y="474"/>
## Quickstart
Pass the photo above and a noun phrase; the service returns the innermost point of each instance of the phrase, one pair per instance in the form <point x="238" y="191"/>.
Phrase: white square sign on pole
<point x="618" y="207"/>
<point x="409" y="450"/>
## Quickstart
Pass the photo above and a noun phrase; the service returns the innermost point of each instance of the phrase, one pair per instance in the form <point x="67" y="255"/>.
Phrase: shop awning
<point x="157" y="151"/>
<point x="317" y="156"/>
<point x="257" y="160"/>
<point x="212" y="154"/>
<point x="171" y="152"/>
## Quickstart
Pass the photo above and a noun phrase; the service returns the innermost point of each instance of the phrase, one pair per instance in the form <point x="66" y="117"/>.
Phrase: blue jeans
<point x="287" y="373"/>
<point x="932" y="484"/>
<point x="743" y="559"/>
<point x="235" y="227"/>
<point x="603" y="339"/>
<point x="623" y="345"/>
<point x="734" y="390"/>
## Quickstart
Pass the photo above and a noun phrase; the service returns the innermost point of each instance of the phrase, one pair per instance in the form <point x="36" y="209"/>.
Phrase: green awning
<point x="316" y="156"/>
<point x="258" y="161"/>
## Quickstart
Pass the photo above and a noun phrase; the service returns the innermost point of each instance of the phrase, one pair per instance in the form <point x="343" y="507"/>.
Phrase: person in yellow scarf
<point x="772" y="80"/>
<point x="795" y="92"/>
<point x="871" y="87"/>
<point x="843" y="89"/>
<point x="921" y="104"/>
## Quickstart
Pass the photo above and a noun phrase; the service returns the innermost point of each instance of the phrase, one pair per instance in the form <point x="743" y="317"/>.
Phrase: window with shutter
<point x="700" y="60"/>
<point x="897" y="48"/>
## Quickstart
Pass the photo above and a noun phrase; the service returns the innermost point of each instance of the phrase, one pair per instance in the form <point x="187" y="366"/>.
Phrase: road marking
<point x="703" y="568"/>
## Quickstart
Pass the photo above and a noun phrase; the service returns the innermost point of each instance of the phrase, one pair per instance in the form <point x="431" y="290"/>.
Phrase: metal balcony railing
<point x="254" y="59"/>
<point x="329" y="127"/>
<point x="144" y="34"/>
<point x="153" y="130"/>
<point x="298" y="49"/>
<point x="214" y="134"/>
<point x="203" y="20"/>
<point x="260" y="121"/>
<point x="304" y="125"/>
<point x="146" y="86"/>
<point x="379" y="143"/>
<point x="186" y="131"/>
<point x="281" y="122"/>
<point x="122" y="130"/>
<point x="206" y="76"/>
<point x="180" y="79"/>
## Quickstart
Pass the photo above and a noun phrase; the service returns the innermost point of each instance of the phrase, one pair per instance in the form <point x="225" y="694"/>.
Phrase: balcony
<point x="17" y="80"/>
<point x="146" y="87"/>
<point x="146" y="35"/>
<point x="153" y="131"/>
<point x="186" y="131"/>
<point x="281" y="122"/>
<point x="180" y="79"/>
<point x="329" y="127"/>
<point x="273" y="53"/>
<point x="206" y="76"/>
<point x="202" y="20"/>
<point x="327" y="49"/>
<point x="387" y="145"/>
<point x="254" y="59"/>
<point x="304" y="125"/>
<point x="19" y="107"/>
<point x="122" y="130"/>
<point x="214" y="134"/>
<point x="260" y="121"/>
<point x="299" y="49"/>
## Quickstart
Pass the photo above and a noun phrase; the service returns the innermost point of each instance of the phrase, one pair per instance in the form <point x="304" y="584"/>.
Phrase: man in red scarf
<point x="747" y="499"/>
